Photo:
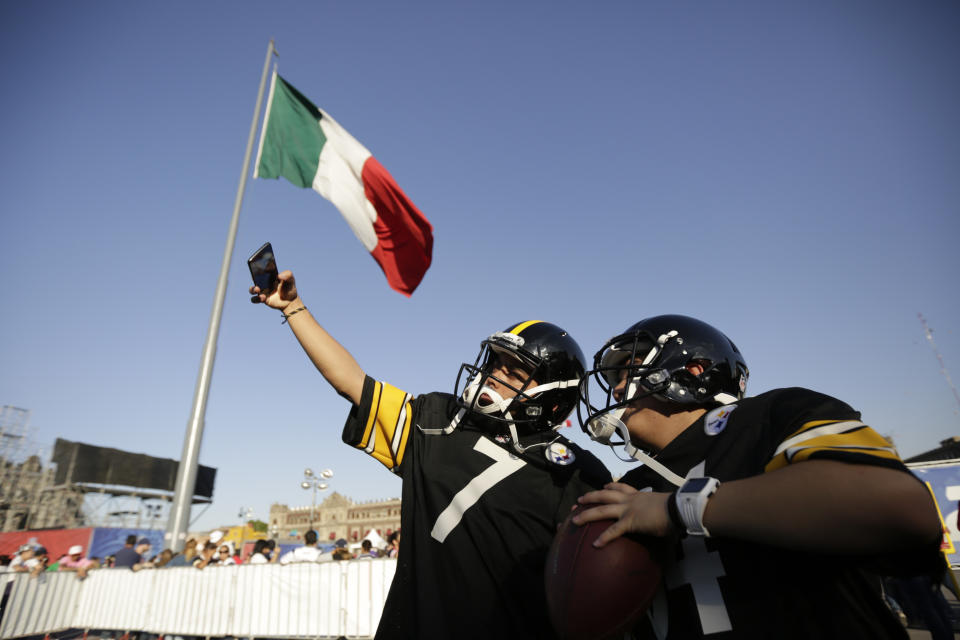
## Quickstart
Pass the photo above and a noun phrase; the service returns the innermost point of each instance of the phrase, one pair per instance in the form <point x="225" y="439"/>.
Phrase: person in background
<point x="257" y="556"/>
<point x="207" y="557"/>
<point x="140" y="551"/>
<point x="165" y="558"/>
<point x="261" y="553"/>
<point x="74" y="561"/>
<point x="307" y="553"/>
<point x="184" y="558"/>
<point x="18" y="563"/>
<point x="128" y="556"/>
<point x="340" y="551"/>
<point x="367" y="550"/>
<point x="39" y="563"/>
<point x="393" y="544"/>
<point x="225" y="555"/>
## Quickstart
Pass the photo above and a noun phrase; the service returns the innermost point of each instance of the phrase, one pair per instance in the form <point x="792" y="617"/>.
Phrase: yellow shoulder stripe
<point x="388" y="425"/>
<point x="838" y="436"/>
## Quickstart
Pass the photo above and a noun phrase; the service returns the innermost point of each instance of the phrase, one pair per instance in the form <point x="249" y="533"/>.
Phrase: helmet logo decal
<point x="743" y="384"/>
<point x="559" y="453"/>
<point x="716" y="420"/>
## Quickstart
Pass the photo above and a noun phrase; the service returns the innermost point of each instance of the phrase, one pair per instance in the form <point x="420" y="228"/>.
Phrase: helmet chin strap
<point x="604" y="426"/>
<point x="498" y="404"/>
<point x="515" y="440"/>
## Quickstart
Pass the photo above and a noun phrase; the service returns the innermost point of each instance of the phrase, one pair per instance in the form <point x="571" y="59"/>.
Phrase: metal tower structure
<point x="14" y="427"/>
<point x="936" y="352"/>
<point x="14" y="432"/>
<point x="28" y="497"/>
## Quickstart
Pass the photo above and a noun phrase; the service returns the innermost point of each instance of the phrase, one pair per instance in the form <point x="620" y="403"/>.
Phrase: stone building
<point x="336" y="517"/>
<point x="30" y="500"/>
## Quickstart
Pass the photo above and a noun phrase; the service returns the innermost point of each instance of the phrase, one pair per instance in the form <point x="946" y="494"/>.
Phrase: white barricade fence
<point x="45" y="602"/>
<point x="299" y="600"/>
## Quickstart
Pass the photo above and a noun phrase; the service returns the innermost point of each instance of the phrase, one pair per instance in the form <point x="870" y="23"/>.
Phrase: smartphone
<point x="263" y="268"/>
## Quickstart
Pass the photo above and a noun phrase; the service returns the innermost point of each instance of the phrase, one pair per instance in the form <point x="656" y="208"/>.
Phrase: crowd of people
<point x="34" y="559"/>
<point x="200" y="553"/>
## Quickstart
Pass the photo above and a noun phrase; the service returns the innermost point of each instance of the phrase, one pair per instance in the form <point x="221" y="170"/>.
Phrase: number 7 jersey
<point x="477" y="518"/>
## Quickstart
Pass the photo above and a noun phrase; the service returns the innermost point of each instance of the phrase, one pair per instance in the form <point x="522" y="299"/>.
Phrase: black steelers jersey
<point x="722" y="589"/>
<point x="477" y="517"/>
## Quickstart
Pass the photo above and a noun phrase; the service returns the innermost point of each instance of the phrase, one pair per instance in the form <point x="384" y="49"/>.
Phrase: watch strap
<point x="691" y="506"/>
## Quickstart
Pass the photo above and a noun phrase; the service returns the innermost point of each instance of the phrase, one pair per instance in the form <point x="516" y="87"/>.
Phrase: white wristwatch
<point x="691" y="500"/>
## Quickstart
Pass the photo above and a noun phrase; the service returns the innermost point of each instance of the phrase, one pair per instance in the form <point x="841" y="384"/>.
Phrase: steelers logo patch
<point x="559" y="453"/>
<point x="716" y="420"/>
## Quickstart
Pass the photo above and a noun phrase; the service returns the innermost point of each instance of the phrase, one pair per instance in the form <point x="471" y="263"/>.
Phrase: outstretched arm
<point x="331" y="359"/>
<point x="817" y="505"/>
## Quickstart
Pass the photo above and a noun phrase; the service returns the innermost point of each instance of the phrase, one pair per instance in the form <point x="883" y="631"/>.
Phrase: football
<point x="596" y="593"/>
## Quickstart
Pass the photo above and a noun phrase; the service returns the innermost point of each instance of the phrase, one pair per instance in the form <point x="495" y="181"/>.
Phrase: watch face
<point x="694" y="485"/>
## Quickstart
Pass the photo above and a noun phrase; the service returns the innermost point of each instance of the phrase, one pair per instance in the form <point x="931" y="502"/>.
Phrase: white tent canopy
<point x="375" y="539"/>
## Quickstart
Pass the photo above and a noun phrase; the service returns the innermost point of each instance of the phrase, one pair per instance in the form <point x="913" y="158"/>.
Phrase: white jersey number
<point x="699" y="568"/>
<point x="504" y="464"/>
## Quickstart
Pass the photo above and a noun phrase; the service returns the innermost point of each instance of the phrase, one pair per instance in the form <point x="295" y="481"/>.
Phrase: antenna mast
<point x="936" y="352"/>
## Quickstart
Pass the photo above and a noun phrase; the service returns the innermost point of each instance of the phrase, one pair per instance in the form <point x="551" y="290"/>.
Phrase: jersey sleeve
<point x="380" y="425"/>
<point x="815" y="426"/>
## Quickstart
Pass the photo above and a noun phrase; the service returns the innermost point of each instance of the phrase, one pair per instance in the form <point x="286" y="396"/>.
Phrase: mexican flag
<point x="307" y="147"/>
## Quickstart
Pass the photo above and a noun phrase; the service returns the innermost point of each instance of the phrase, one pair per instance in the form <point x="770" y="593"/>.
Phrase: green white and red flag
<point x="306" y="146"/>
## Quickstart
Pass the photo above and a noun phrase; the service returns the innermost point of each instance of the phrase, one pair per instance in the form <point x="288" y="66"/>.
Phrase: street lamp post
<point x="315" y="482"/>
<point x="248" y="512"/>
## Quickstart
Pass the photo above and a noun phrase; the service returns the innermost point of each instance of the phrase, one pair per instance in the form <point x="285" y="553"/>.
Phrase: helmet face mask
<point x="487" y="367"/>
<point x="543" y="366"/>
<point x="654" y="358"/>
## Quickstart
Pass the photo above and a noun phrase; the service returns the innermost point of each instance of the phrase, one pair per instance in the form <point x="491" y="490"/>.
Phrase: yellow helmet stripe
<point x="523" y="325"/>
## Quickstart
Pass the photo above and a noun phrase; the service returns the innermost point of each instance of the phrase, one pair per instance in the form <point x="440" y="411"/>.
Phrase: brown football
<point x="596" y="593"/>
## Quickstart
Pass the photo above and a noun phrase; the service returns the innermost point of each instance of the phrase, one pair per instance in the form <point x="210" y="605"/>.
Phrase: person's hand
<point x="642" y="512"/>
<point x="281" y="297"/>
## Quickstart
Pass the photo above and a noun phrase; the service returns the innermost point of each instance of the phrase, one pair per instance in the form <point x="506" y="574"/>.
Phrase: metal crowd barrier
<point x="332" y="599"/>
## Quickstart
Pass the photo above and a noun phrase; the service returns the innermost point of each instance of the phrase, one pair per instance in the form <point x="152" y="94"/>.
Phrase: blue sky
<point x="785" y="171"/>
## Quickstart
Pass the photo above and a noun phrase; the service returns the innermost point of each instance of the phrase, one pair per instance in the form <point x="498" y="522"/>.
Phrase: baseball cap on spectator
<point x="341" y="543"/>
<point x="143" y="541"/>
<point x="40" y="551"/>
<point x="216" y="536"/>
<point x="24" y="547"/>
<point x="74" y="549"/>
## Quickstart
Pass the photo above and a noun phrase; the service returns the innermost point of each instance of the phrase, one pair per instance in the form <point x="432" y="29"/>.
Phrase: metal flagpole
<point x="187" y="471"/>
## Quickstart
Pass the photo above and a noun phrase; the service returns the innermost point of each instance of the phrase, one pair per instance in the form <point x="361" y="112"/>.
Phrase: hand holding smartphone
<point x="263" y="268"/>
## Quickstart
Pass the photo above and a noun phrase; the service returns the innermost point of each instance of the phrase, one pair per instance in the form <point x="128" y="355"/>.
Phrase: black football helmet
<point x="652" y="357"/>
<point x="550" y="356"/>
